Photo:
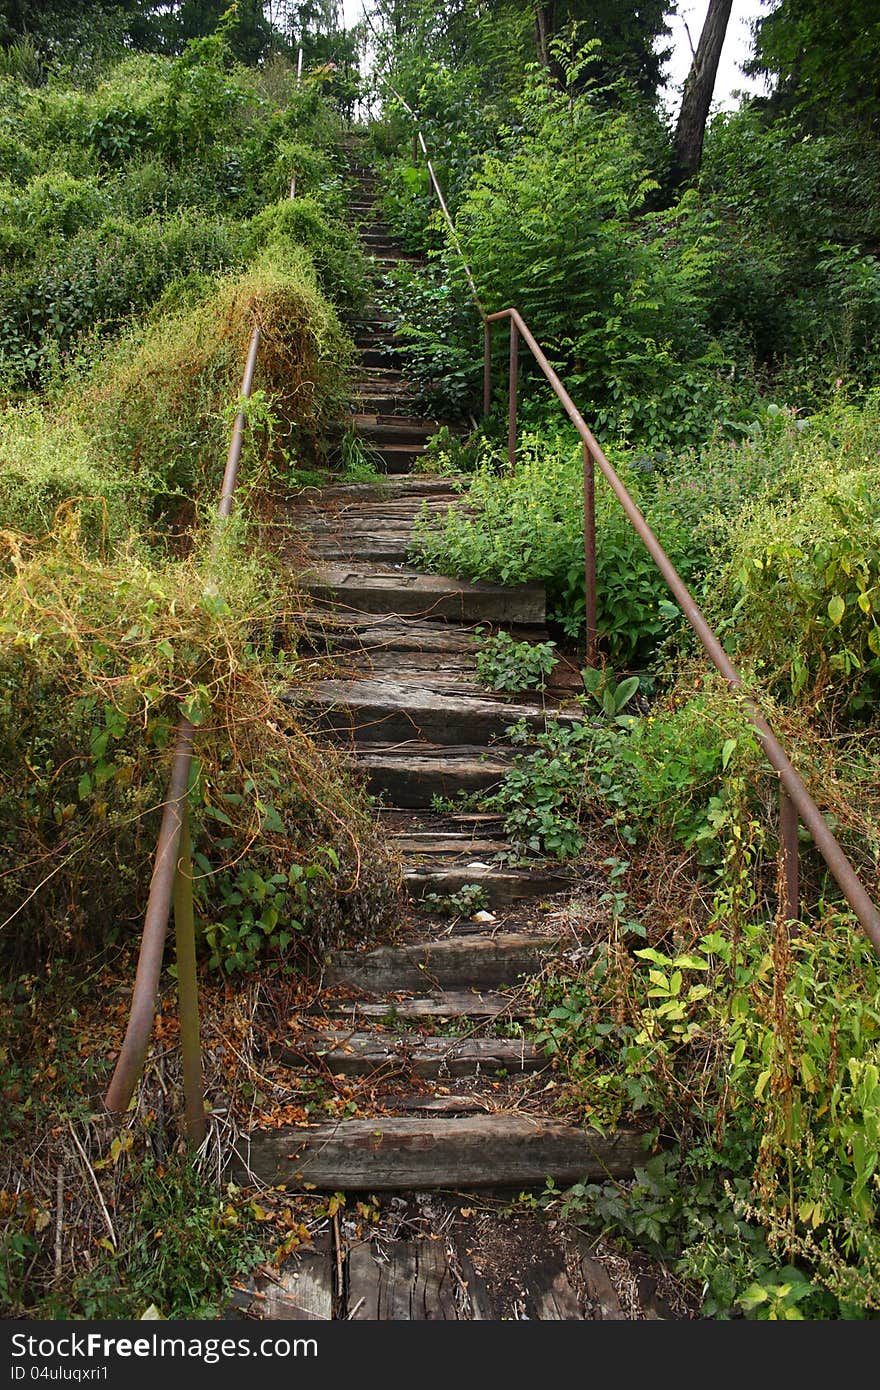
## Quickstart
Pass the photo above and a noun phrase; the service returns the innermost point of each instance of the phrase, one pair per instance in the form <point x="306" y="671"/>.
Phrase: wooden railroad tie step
<point x="352" y="1053"/>
<point x="380" y="711"/>
<point x="365" y="588"/>
<point x="483" y="1005"/>
<point x="396" y="1153"/>
<point x="468" y="962"/>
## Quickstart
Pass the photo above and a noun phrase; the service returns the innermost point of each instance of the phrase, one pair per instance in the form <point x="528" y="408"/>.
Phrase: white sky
<point x="737" y="46"/>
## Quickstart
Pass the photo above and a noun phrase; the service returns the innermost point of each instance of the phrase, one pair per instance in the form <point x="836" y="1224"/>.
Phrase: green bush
<point x="760" y="1051"/>
<point x="333" y="246"/>
<point x="802" y="577"/>
<point x="44" y="468"/>
<point x="98" y="659"/>
<point x="527" y="524"/>
<point x="89" y="286"/>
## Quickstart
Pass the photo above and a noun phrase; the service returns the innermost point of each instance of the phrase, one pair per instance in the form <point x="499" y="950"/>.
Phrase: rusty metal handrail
<point x="796" y="804"/>
<point x="171" y="883"/>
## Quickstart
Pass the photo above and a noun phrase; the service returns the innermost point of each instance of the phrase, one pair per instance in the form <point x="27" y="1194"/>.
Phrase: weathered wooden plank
<point x="364" y="1278"/>
<point x="600" y="1291"/>
<point x="466" y="962"/>
<point x="449" y="1004"/>
<point x="347" y="1053"/>
<point x="482" y="1308"/>
<point x="413" y="779"/>
<point x="369" y="589"/>
<point x="304" y="1286"/>
<point x="383" y="710"/>
<point x="441" y="1105"/>
<point x="403" y="1153"/>
<point x="501" y="885"/>
<point x="408" y="1281"/>
<point x="550" y="1296"/>
<point x="431" y="844"/>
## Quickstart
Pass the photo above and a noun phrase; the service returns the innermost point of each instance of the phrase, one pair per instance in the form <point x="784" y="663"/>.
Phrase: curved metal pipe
<point x="809" y="813"/>
<point x="146" y="984"/>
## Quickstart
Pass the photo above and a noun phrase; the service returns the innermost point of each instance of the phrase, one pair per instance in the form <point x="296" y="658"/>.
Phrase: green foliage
<point x="801" y="573"/>
<point x="332" y="245"/>
<point x="795" y="216"/>
<point x="508" y="665"/>
<point x="439" y="330"/>
<point x="664" y="776"/>
<point x="159" y="401"/>
<point x="96" y="662"/>
<point x="111" y="196"/>
<point x="89" y="288"/>
<point x="527" y="524"/>
<point x="470" y="898"/>
<point x="824" y="71"/>
<point x="543" y="795"/>
<point x="610" y="695"/>
<point x="555" y="223"/>
<point x="761" y="1052"/>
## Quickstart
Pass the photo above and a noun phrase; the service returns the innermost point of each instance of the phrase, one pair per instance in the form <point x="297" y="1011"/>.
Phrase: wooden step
<point x="427" y="1008"/>
<point x="355" y="1053"/>
<point x="394" y="429"/>
<point x="465" y="962"/>
<point x="407" y="485"/>
<point x="399" y="458"/>
<point x="389" y="632"/>
<point x="368" y="710"/>
<point x="409" y="593"/>
<point x="501" y="886"/>
<point x="378" y="357"/>
<point x="412" y="777"/>
<point x="430" y="847"/>
<point x="386" y="1154"/>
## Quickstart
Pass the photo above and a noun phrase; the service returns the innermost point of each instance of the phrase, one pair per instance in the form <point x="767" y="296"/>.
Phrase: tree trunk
<point x="542" y="32"/>
<point x="698" y="89"/>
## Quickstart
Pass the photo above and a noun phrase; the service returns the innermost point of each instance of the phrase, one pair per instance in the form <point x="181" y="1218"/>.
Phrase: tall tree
<point x="696" y="99"/>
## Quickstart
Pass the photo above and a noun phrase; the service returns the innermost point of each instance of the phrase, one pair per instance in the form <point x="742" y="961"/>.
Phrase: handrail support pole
<point x="590" y="592"/>
<point x="487" y="368"/>
<point x="511" y="403"/>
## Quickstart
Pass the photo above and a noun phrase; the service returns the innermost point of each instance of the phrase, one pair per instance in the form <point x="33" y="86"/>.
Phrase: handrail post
<point x="511" y="403"/>
<point x="188" y="988"/>
<point x="487" y="368"/>
<point x="788" y="841"/>
<point x="590" y="555"/>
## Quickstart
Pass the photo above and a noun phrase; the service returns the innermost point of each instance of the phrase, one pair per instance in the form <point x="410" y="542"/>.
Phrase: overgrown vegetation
<point x="147" y="231"/>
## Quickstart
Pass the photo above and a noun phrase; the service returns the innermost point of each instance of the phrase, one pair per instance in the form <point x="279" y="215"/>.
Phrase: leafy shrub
<point x="760" y="1050"/>
<point x="97" y="281"/>
<point x="44" y="468"/>
<point x="803" y="569"/>
<point x="97" y="661"/>
<point x="161" y="399"/>
<point x="505" y="664"/>
<point x="333" y="246"/>
<point x="663" y="776"/>
<point x="439" y="329"/>
<point x="795" y="214"/>
<point x="527" y="524"/>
